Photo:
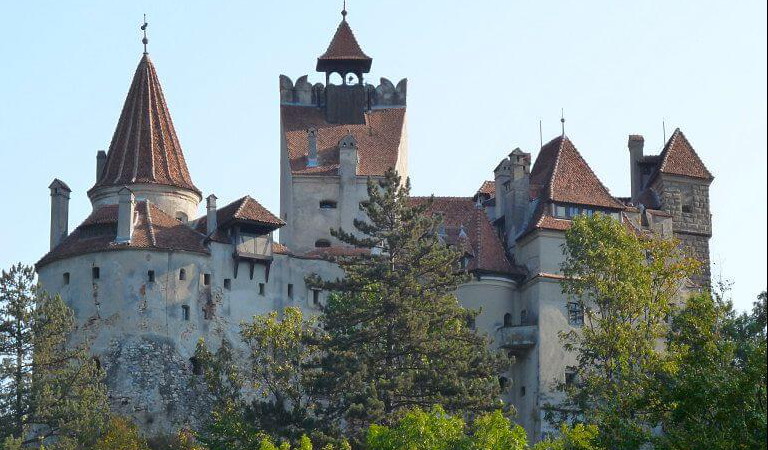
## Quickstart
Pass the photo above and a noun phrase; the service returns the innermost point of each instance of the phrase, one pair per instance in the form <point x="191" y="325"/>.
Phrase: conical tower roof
<point x="144" y="148"/>
<point x="344" y="53"/>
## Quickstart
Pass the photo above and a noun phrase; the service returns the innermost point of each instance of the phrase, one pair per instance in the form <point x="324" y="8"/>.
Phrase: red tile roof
<point x="344" y="46"/>
<point x="488" y="188"/>
<point x="480" y="241"/>
<point x="679" y="158"/>
<point x="144" y="148"/>
<point x="244" y="209"/>
<point x="560" y="174"/>
<point x="153" y="229"/>
<point x="378" y="140"/>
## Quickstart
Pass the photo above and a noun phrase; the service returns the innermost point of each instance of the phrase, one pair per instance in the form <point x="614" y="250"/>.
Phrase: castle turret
<point x="145" y="153"/>
<point x="59" y="211"/>
<point x="345" y="103"/>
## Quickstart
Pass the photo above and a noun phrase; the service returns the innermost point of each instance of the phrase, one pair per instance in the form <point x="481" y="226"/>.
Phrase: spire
<point x="144" y="40"/>
<point x="344" y="54"/>
<point x="145" y="148"/>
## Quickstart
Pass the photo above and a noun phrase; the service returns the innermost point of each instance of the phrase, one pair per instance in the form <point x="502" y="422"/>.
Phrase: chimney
<point x="125" y="208"/>
<point x="518" y="199"/>
<point x="502" y="179"/>
<point x="635" y="145"/>
<point x="348" y="157"/>
<point x="312" y="151"/>
<point x="59" y="211"/>
<point x="101" y="160"/>
<point x="211" y="219"/>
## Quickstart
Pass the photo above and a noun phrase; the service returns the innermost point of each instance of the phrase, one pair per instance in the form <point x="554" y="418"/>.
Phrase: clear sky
<point x="481" y="75"/>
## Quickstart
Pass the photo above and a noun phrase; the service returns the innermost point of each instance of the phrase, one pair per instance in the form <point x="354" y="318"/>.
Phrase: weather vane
<point x="562" y="120"/>
<point x="145" y="41"/>
<point x="344" y="10"/>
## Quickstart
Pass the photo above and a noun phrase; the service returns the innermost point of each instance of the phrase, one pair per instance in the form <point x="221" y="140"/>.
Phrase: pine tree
<point x="397" y="336"/>
<point x="17" y="301"/>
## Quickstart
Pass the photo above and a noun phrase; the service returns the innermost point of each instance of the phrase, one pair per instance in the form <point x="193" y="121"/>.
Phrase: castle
<point x="146" y="277"/>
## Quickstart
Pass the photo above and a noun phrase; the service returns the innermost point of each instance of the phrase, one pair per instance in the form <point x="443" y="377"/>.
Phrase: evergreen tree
<point x="397" y="337"/>
<point x="628" y="287"/>
<point x="17" y="301"/>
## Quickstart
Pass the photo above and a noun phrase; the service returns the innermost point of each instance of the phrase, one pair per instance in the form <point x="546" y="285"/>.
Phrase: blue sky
<point x="480" y="77"/>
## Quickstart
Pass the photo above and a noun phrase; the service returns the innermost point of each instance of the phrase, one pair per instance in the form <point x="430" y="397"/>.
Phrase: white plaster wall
<point x="171" y="199"/>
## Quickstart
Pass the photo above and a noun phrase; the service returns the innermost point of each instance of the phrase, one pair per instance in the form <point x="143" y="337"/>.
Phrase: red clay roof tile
<point x="378" y="140"/>
<point x="344" y="46"/>
<point x="145" y="148"/>
<point x="679" y="158"/>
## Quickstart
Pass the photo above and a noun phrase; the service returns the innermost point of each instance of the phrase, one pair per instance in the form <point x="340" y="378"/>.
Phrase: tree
<point x="437" y="430"/>
<point x="121" y="434"/>
<point x="17" y="302"/>
<point x="397" y="336"/>
<point x="716" y="395"/>
<point x="628" y="286"/>
<point x="576" y="437"/>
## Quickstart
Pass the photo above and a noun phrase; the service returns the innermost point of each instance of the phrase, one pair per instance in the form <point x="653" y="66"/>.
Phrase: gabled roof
<point x="343" y="48"/>
<point x="487" y="188"/>
<point x="244" y="209"/>
<point x="679" y="158"/>
<point x="153" y="229"/>
<point x="468" y="227"/>
<point x="145" y="148"/>
<point x="378" y="140"/>
<point x="560" y="174"/>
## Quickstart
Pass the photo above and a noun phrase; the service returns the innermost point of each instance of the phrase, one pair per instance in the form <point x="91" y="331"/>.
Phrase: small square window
<point x="261" y="288"/>
<point x="95" y="273"/>
<point x="227" y="284"/>
<point x="207" y="279"/>
<point x="66" y="277"/>
<point x="151" y="276"/>
<point x="559" y="211"/>
<point x="185" y="311"/>
<point x="290" y="290"/>
<point x="575" y="313"/>
<point x="182" y="274"/>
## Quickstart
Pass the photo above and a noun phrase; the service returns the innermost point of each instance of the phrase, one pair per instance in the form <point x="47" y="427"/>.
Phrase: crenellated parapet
<point x="302" y="92"/>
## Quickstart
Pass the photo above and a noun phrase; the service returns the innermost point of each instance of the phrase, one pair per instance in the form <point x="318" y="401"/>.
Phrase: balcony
<point x="517" y="338"/>
<point x="250" y="246"/>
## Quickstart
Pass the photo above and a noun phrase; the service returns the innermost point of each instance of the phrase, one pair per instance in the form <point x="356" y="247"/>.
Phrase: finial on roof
<point x="344" y="11"/>
<point x="562" y="120"/>
<point x="145" y="41"/>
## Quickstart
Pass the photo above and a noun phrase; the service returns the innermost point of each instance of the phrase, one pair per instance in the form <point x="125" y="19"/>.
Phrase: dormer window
<point x="328" y="204"/>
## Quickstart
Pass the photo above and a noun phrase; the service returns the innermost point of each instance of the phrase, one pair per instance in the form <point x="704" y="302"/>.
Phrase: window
<point x="182" y="274"/>
<point x="261" y="288"/>
<point x="316" y="297"/>
<point x="181" y="217"/>
<point x="207" y="279"/>
<point x="575" y="313"/>
<point x="559" y="211"/>
<point x="522" y="391"/>
<point x="327" y="204"/>
<point x="507" y="320"/>
<point x="227" y="284"/>
<point x="66" y="277"/>
<point x="686" y="198"/>
<point x="524" y="317"/>
<point x="570" y="377"/>
<point x="322" y="243"/>
<point x="95" y="273"/>
<point x="197" y="366"/>
<point x="573" y="211"/>
<point x="185" y="311"/>
<point x="151" y="276"/>
<point x="290" y="290"/>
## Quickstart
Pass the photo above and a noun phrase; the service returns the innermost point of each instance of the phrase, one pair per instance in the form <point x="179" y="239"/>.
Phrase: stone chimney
<point x="348" y="157"/>
<point x="312" y="150"/>
<point x="59" y="211"/>
<point x="211" y="219"/>
<point x="635" y="144"/>
<point x="125" y="209"/>
<point x="101" y="160"/>
<point x="518" y="197"/>
<point x="502" y="176"/>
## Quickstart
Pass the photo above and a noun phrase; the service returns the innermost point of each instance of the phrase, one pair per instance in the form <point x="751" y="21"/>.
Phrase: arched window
<point x="328" y="204"/>
<point x="335" y="78"/>
<point x="322" y="243"/>
<point x="181" y="217"/>
<point x="507" y="320"/>
<point x="352" y="79"/>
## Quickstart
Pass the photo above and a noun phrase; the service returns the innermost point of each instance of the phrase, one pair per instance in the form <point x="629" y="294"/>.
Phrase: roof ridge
<point x="243" y="200"/>
<point x="556" y="164"/>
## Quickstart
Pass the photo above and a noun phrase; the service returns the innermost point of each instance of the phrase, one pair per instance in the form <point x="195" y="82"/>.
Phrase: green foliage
<point x="436" y="430"/>
<point x="397" y="337"/>
<point x="121" y="434"/>
<point x="716" y="396"/>
<point x="17" y="302"/>
<point x="577" y="437"/>
<point x="627" y="286"/>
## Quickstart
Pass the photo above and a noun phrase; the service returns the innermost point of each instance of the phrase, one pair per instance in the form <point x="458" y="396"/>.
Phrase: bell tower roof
<point x="145" y="148"/>
<point x="344" y="54"/>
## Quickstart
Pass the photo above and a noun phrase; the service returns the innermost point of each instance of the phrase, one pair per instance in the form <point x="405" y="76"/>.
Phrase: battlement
<point x="383" y="95"/>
